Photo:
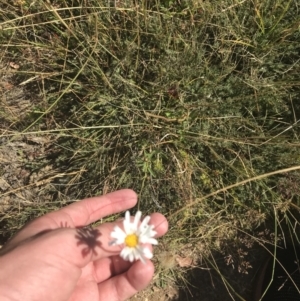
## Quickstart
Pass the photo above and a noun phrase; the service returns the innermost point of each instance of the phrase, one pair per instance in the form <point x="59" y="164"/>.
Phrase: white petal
<point x="152" y="241"/>
<point x="149" y="231"/>
<point x="144" y="223"/>
<point x="146" y="234"/>
<point x="118" y="234"/>
<point x="131" y="255"/>
<point x="127" y="216"/>
<point x="148" y="240"/>
<point x="126" y="223"/>
<point x="137" y="219"/>
<point x="125" y="253"/>
<point x="140" y="254"/>
<point x="135" y="254"/>
<point x="147" y="253"/>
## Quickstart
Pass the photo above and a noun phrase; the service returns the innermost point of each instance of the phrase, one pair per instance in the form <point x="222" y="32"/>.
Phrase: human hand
<point x="54" y="258"/>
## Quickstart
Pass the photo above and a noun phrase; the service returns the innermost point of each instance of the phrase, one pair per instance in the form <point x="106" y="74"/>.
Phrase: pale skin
<point x="53" y="259"/>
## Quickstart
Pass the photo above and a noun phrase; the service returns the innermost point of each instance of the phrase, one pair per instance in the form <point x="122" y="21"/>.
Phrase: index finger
<point x="89" y="210"/>
<point x="80" y="213"/>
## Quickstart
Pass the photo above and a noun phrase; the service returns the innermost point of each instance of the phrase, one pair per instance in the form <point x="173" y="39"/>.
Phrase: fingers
<point x="90" y="210"/>
<point x="125" y="285"/>
<point x="79" y="214"/>
<point x="83" y="245"/>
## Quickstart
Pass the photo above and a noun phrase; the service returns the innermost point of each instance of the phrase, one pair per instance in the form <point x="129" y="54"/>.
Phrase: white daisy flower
<point x="133" y="238"/>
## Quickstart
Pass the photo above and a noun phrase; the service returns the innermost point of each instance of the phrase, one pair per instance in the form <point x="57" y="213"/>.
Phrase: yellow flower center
<point x="131" y="240"/>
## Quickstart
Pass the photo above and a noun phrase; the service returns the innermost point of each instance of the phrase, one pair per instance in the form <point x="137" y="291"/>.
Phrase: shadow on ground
<point x="240" y="267"/>
<point x="206" y="284"/>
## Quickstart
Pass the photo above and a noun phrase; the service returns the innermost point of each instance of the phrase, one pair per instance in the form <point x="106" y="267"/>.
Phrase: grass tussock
<point x="182" y="101"/>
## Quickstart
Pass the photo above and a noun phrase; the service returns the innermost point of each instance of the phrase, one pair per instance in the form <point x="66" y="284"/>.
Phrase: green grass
<point x="175" y="99"/>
